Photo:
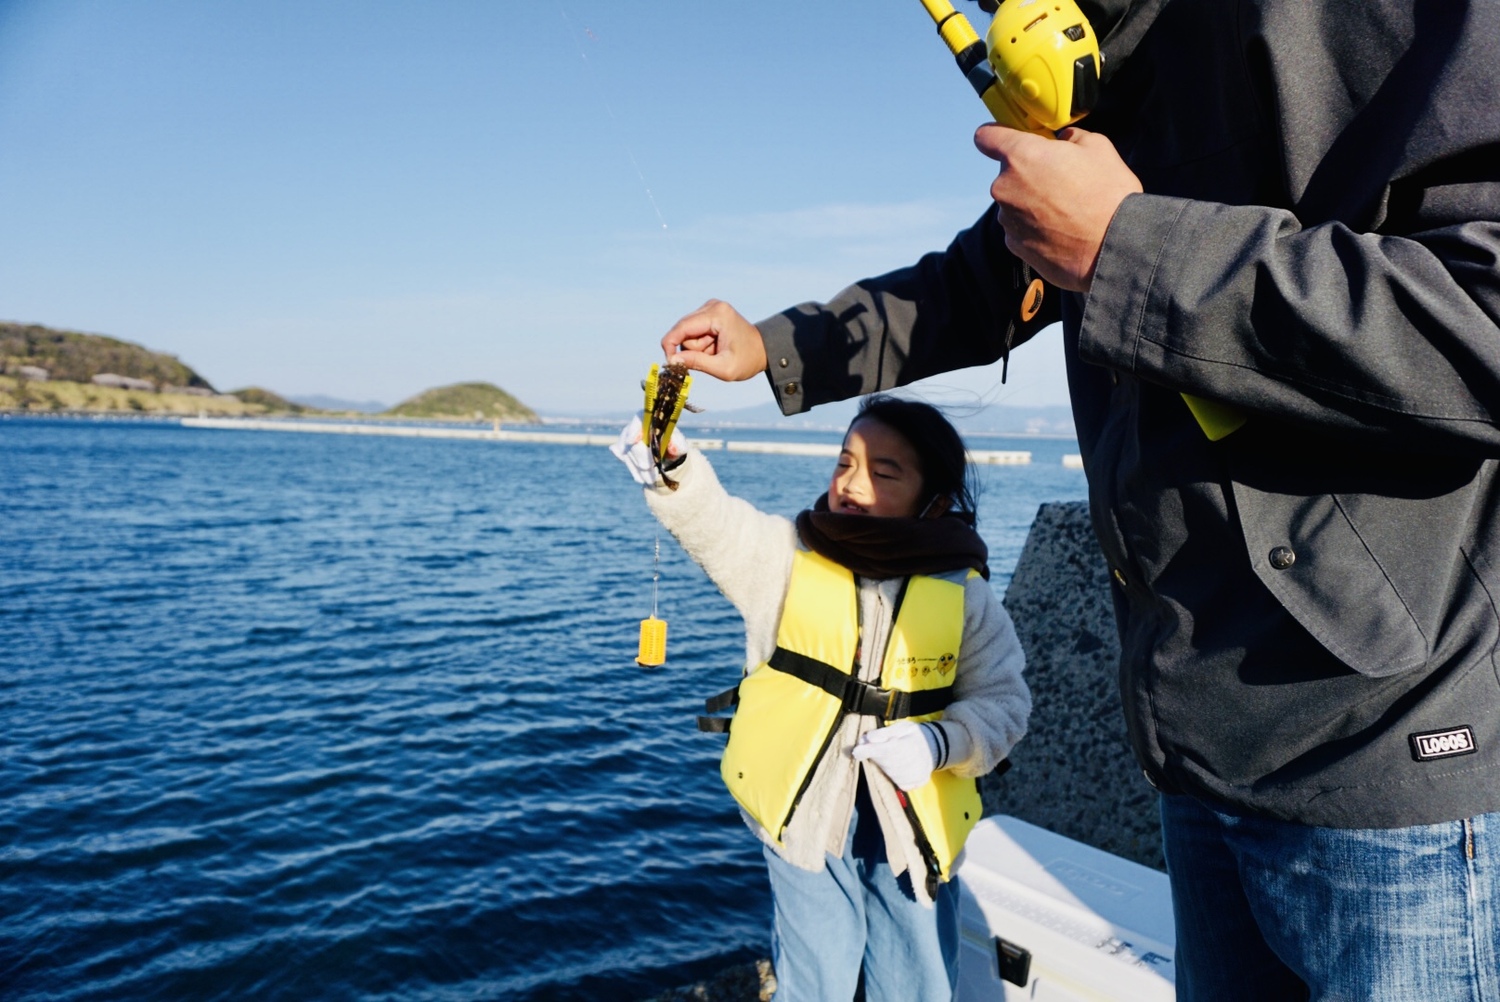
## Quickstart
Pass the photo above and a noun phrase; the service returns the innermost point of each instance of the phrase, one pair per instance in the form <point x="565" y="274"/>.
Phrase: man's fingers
<point x="689" y="328"/>
<point x="992" y="140"/>
<point x="702" y="323"/>
<point x="706" y="343"/>
<point x="716" y="340"/>
<point x="700" y="361"/>
<point x="1083" y="137"/>
<point x="694" y="327"/>
<point x="999" y="142"/>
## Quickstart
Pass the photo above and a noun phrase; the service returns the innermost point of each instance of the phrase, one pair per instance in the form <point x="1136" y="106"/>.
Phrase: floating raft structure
<point x="987" y="457"/>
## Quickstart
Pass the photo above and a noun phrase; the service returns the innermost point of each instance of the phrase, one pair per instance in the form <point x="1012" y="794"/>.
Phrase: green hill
<point x="465" y="402"/>
<point x="75" y="357"/>
<point x="72" y="359"/>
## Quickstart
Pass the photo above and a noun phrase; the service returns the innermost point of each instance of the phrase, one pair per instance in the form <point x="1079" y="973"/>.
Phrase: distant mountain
<point x="72" y="356"/>
<point x="1003" y="419"/>
<point x="465" y="402"/>
<point x="274" y="403"/>
<point x="832" y="417"/>
<point x="320" y="402"/>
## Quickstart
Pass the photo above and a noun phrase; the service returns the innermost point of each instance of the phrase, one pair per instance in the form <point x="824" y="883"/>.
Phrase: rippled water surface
<point x="334" y="717"/>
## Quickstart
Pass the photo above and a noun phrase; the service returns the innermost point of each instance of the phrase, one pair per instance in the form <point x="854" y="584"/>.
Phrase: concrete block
<point x="1073" y="773"/>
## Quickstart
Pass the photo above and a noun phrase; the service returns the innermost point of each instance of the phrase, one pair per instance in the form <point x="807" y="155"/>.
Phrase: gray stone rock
<point x="1073" y="773"/>
<point x="753" y="982"/>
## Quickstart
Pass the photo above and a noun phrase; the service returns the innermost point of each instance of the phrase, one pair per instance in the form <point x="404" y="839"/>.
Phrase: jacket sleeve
<point x="953" y="309"/>
<point x="744" y="551"/>
<point x="1392" y="339"/>
<point x="991" y="700"/>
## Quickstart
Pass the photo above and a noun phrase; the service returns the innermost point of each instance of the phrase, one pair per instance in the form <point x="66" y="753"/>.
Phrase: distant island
<point x="466" y="401"/>
<point x="44" y="370"/>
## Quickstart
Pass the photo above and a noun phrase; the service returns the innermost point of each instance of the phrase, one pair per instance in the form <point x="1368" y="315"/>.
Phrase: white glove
<point x="637" y="458"/>
<point x="906" y="752"/>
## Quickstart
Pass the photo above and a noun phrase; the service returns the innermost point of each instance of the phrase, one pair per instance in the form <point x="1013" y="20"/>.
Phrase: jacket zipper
<point x="859" y="642"/>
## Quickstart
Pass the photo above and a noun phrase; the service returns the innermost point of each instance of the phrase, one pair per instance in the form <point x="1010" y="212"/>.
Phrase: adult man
<point x="1291" y="208"/>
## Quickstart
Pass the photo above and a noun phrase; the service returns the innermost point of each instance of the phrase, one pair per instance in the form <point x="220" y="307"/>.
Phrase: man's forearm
<point x="965" y="306"/>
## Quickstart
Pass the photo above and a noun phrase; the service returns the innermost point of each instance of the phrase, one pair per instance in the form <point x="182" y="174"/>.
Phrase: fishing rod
<point x="1037" y="70"/>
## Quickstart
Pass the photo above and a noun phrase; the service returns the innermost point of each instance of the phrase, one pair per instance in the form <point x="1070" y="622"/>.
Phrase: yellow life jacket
<point x="791" y="706"/>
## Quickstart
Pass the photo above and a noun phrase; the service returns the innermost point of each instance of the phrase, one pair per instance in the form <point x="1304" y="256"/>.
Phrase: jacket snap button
<point x="784" y="363"/>
<point x="790" y="389"/>
<point x="1282" y="557"/>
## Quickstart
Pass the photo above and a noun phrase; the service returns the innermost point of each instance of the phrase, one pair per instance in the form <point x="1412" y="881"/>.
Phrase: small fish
<point x="666" y="398"/>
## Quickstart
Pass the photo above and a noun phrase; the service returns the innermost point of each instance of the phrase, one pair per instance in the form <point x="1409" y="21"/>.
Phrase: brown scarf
<point x="875" y="547"/>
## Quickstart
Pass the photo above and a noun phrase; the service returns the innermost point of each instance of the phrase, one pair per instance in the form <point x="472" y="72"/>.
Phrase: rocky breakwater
<point x="1073" y="773"/>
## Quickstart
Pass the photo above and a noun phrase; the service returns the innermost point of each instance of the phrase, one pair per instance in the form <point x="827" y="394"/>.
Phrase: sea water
<point x="310" y="716"/>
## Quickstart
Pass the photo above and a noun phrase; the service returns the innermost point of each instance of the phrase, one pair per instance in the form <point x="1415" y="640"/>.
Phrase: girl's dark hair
<point x="945" y="466"/>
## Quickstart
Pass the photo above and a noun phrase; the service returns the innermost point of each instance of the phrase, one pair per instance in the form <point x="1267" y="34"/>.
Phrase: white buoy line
<point x="988" y="457"/>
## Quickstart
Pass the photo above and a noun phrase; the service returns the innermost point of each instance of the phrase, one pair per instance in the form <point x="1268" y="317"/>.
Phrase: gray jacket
<point x="1307" y="607"/>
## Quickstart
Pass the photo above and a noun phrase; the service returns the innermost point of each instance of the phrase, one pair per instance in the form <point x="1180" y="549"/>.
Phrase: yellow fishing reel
<point x="1038" y="67"/>
<point x="1046" y="60"/>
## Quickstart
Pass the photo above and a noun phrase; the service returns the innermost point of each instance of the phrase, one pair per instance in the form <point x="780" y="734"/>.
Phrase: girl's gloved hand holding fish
<point x="882" y="677"/>
<point x="632" y="451"/>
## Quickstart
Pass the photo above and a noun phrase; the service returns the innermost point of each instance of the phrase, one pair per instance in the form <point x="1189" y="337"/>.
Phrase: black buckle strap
<point x="853" y="695"/>
<point x="714" y="704"/>
<point x="723" y="701"/>
<point x="860" y="697"/>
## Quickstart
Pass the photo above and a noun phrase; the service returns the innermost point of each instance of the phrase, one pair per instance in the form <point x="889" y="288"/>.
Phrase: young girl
<point x="882" y="677"/>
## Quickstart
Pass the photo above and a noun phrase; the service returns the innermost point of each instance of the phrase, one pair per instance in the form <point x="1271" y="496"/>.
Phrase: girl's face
<point x="878" y="473"/>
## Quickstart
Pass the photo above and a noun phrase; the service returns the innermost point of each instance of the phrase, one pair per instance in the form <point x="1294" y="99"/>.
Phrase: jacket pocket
<point x="1313" y="559"/>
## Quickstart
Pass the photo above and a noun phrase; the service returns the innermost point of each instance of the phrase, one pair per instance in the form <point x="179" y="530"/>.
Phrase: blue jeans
<point x="1269" y="910"/>
<point x="856" y="914"/>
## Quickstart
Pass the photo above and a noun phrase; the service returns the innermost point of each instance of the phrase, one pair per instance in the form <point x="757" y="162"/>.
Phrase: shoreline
<point x="549" y="421"/>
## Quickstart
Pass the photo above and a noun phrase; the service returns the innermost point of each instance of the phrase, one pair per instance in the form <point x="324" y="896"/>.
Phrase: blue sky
<point x="366" y="199"/>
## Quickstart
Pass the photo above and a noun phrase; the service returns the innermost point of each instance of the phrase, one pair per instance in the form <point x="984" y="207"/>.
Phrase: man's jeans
<point x="855" y="912"/>
<point x="1269" y="910"/>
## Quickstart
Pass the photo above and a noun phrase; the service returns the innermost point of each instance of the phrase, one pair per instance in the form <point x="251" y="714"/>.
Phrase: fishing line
<point x="614" y="120"/>
<point x="655" y="571"/>
<point x="652" y="649"/>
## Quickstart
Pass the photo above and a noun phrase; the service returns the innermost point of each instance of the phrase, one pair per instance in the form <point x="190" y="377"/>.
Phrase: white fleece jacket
<point x="748" y="555"/>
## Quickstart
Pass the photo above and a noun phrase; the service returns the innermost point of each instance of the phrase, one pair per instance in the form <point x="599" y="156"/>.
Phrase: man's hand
<point x="1055" y="198"/>
<point x="715" y="339"/>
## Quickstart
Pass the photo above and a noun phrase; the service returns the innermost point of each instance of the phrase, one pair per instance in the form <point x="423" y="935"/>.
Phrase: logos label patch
<point x="1443" y="744"/>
